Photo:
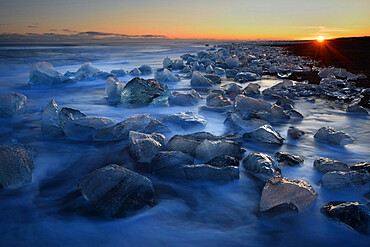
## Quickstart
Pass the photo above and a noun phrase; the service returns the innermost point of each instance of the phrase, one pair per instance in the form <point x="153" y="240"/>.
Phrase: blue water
<point x="50" y="212"/>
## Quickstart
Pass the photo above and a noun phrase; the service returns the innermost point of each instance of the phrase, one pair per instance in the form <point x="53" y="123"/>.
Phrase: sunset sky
<point x="190" y="19"/>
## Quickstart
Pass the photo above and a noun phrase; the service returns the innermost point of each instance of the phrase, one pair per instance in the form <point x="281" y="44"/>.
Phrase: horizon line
<point x="90" y="36"/>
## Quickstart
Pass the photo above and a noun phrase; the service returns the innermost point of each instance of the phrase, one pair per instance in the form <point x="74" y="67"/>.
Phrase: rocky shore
<point x="225" y="81"/>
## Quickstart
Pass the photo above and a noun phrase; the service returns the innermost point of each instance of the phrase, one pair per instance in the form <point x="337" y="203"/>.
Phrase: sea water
<point x="51" y="212"/>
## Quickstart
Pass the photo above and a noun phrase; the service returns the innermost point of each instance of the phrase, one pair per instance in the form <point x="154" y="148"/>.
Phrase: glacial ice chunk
<point x="87" y="70"/>
<point x="114" y="88"/>
<point x="198" y="80"/>
<point x="43" y="73"/>
<point x="12" y="104"/>
<point x="232" y="62"/>
<point x="167" y="62"/>
<point x="166" y="76"/>
<point x="145" y="69"/>
<point x="50" y="124"/>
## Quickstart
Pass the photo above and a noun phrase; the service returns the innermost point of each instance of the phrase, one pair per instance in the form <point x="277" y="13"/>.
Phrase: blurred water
<point x="50" y="211"/>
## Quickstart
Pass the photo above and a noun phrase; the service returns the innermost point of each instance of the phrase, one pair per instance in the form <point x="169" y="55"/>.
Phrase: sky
<point x="188" y="19"/>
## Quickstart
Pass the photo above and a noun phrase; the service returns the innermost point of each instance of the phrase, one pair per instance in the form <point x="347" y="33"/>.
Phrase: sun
<point x="320" y="39"/>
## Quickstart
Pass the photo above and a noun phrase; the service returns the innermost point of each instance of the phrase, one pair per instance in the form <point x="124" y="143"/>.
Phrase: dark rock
<point x="177" y="64"/>
<point x="365" y="98"/>
<point x="219" y="109"/>
<point x="119" y="72"/>
<point x="145" y="69"/>
<point x="285" y="84"/>
<point x="245" y="77"/>
<point x="167" y="62"/>
<point x="340" y="180"/>
<point x="142" y="92"/>
<point x="353" y="214"/>
<point x="232" y="137"/>
<point x="189" y="143"/>
<point x="209" y="149"/>
<point x="219" y="71"/>
<point x="16" y="166"/>
<point x="214" y="78"/>
<point x="12" y="104"/>
<point x="104" y="75"/>
<point x="278" y="90"/>
<point x="166" y="75"/>
<point x="260" y="165"/>
<point x="237" y="122"/>
<point x="224" y="161"/>
<point x="185" y="120"/>
<point x="209" y="69"/>
<point x="188" y="55"/>
<point x="171" y="158"/>
<point x="288" y="159"/>
<point x="116" y="191"/>
<point x="281" y="209"/>
<point x="249" y="105"/>
<point x="265" y="134"/>
<point x="144" y="123"/>
<point x="361" y="166"/>
<point x="277" y="113"/>
<point x="217" y="100"/>
<point x="69" y="114"/>
<point x="355" y="107"/>
<point x="232" y="62"/>
<point x="143" y="147"/>
<point x="295" y="133"/>
<point x="252" y="89"/>
<point x="282" y="195"/>
<point x="232" y="90"/>
<point x="295" y="114"/>
<point x="327" y="165"/>
<point x="198" y="80"/>
<point x="135" y="72"/>
<point x="231" y="73"/>
<point x="285" y="103"/>
<point x="84" y="128"/>
<point x="332" y="136"/>
<point x="182" y="144"/>
<point x="191" y="97"/>
<point x="186" y="69"/>
<point x="201" y="136"/>
<point x="199" y="172"/>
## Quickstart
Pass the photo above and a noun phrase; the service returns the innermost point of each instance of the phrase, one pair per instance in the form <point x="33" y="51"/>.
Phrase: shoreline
<point x="352" y="54"/>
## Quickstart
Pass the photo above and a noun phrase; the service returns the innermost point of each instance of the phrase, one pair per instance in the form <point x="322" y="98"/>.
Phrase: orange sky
<point x="233" y="19"/>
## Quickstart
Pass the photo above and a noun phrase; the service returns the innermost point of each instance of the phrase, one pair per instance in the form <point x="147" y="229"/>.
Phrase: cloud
<point x="73" y="36"/>
<point x="314" y="27"/>
<point x="336" y="30"/>
<point x="32" y="26"/>
<point x="69" y="31"/>
<point x="326" y="29"/>
<point x="151" y="36"/>
<point x="93" y="33"/>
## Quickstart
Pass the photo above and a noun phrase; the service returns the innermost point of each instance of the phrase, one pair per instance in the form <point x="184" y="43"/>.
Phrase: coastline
<point x="352" y="54"/>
